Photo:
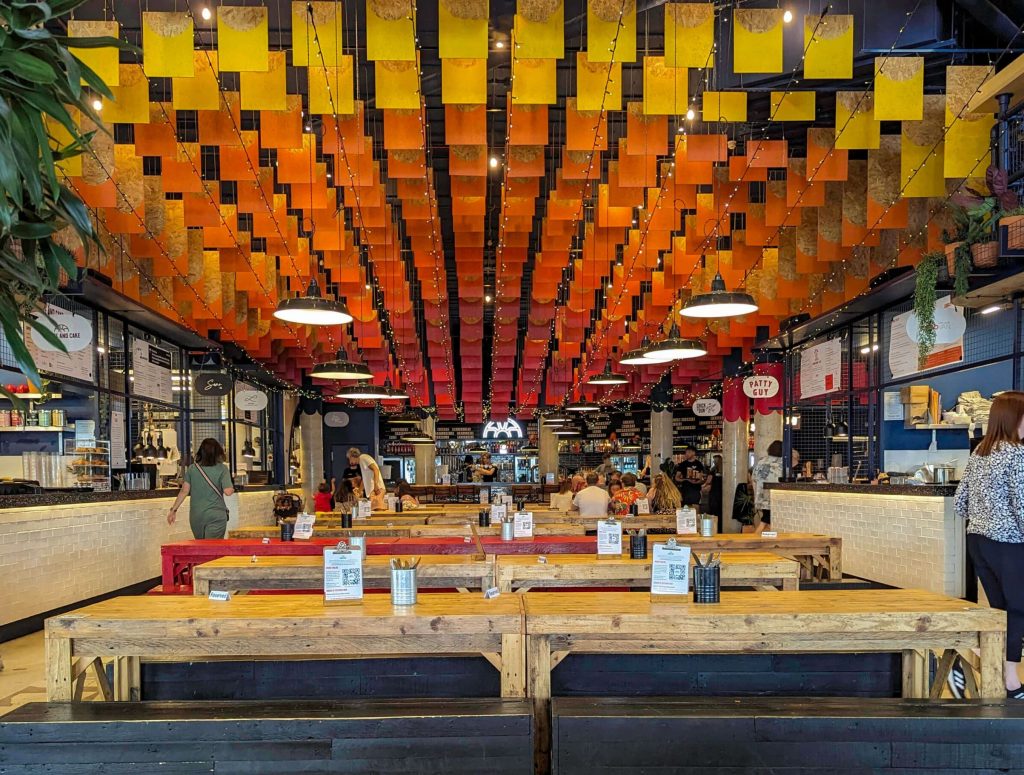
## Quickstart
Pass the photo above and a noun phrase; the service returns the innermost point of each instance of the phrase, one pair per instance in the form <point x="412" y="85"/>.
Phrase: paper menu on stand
<point x="686" y="521"/>
<point x="485" y="497"/>
<point x="304" y="526"/>
<point x="670" y="570"/>
<point x="498" y="512"/>
<point x="643" y="506"/>
<point x="522" y="526"/>
<point x="365" y="508"/>
<point x="609" y="537"/>
<point x="343" y="574"/>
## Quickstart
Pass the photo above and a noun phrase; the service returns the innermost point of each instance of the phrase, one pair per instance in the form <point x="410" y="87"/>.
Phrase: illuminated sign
<point x="510" y="429"/>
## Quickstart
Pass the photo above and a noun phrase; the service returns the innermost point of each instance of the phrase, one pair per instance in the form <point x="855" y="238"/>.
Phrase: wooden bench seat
<point x="179" y="738"/>
<point x="796" y="736"/>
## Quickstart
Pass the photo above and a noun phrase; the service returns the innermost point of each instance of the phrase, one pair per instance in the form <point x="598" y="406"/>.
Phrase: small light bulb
<point x="494" y="162"/>
<point x="206" y="14"/>
<point x="329" y="176"/>
<point x="367" y="286"/>
<point x="499" y="44"/>
<point x="690" y="114"/>
<point x="97" y="104"/>
<point x="487" y="298"/>
<point x="787" y="17"/>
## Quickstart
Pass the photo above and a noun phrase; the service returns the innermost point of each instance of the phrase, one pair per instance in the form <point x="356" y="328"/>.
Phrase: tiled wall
<point x="51" y="556"/>
<point x="905" y="541"/>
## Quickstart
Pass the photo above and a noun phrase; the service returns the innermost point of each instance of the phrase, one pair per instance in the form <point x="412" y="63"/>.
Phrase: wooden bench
<point x="419" y="737"/>
<point x="370" y="531"/>
<point x="911" y="622"/>
<point x="813" y="552"/>
<point x="242" y="574"/>
<point x="546" y="517"/>
<point x="772" y="735"/>
<point x="747" y="569"/>
<point x="466" y="526"/>
<point x="184" y="629"/>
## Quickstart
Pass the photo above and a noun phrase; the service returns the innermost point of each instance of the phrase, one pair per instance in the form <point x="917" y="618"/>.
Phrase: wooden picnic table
<point x="319" y="531"/>
<point x="748" y="569"/>
<point x="547" y="517"/>
<point x="466" y="528"/>
<point x="809" y="549"/>
<point x="187" y="629"/>
<point x="242" y="574"/>
<point x="912" y="622"/>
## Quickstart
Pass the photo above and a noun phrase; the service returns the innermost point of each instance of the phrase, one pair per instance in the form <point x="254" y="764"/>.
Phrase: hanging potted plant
<point x="925" y="296"/>
<point x="976" y="214"/>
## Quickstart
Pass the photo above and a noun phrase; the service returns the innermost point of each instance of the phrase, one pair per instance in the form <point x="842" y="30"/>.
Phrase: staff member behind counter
<point x="690" y="476"/>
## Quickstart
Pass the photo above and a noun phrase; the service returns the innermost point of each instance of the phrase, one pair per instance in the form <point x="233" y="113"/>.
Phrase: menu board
<point x="74" y="332"/>
<point x="821" y="368"/>
<point x="904" y="351"/>
<point x="118" y="457"/>
<point x="151" y="371"/>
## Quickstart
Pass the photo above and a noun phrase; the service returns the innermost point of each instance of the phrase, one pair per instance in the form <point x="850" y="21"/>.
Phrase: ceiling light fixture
<point x="675" y="348"/>
<point x="206" y="13"/>
<point x="608" y="377"/>
<point x="636" y="357"/>
<point x="313" y="309"/>
<point x="787" y="17"/>
<point x="403" y="418"/>
<point x="487" y="298"/>
<point x="341" y="368"/>
<point x="371" y="393"/>
<point x="992" y="309"/>
<point x="581" y="406"/>
<point x="557" y="419"/>
<point x="494" y="162"/>
<point x="566" y="430"/>
<point x="499" y="44"/>
<point x="97" y="104"/>
<point x="719" y="303"/>
<point x="690" y="115"/>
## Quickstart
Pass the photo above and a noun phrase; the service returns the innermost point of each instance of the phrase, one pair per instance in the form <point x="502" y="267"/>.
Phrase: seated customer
<point x="626" y="497"/>
<point x="592" y="501"/>
<point x="323" y="500"/>
<point x="664" y="495"/>
<point x="345" y="497"/>
<point x="404" y="493"/>
<point x="562" y="500"/>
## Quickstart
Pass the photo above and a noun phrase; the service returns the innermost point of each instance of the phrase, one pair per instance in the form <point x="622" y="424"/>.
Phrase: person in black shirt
<point x="690" y="475"/>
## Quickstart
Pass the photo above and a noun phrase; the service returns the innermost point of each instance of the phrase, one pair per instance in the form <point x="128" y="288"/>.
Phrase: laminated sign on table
<point x="609" y="537"/>
<point x="643" y="506"/>
<point x="686" y="521"/>
<point x="522" y="524"/>
<point x="365" y="508"/>
<point x="498" y="512"/>
<point x="304" y="526"/>
<point x="343" y="574"/>
<point x="670" y="569"/>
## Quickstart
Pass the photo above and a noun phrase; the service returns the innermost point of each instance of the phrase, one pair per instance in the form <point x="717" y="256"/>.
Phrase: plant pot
<point x="951" y="257"/>
<point x="1014" y="226"/>
<point x="985" y="255"/>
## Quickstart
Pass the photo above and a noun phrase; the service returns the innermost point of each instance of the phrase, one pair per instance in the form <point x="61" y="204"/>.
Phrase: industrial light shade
<point x="608" y="377"/>
<point x="403" y="418"/>
<point x="417" y="437"/>
<point x="581" y="406"/>
<point x="247" y="449"/>
<point x="675" y="348"/>
<point x="719" y="303"/>
<point x="566" y="430"/>
<point x="371" y="393"/>
<point x="313" y="309"/>
<point x="529" y="449"/>
<point x="342" y="368"/>
<point x="557" y="419"/>
<point x="636" y="357"/>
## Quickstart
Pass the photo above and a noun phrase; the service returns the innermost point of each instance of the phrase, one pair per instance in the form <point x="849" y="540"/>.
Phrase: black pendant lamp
<point x="342" y="368"/>
<point x="675" y="348"/>
<point x="581" y="406"/>
<point x="247" y="449"/>
<point x="383" y="392"/>
<point x="636" y="357"/>
<point x="150" y="450"/>
<point x="313" y="309"/>
<point x="609" y="377"/>
<point x="719" y="303"/>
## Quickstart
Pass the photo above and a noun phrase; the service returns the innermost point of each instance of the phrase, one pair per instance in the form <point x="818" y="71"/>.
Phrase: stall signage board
<point x="151" y="369"/>
<point x="343" y="575"/>
<point x="950" y="325"/>
<point x="761" y="386"/>
<point x="670" y="570"/>
<point x="251" y="400"/>
<point x="304" y="526"/>
<point x="74" y="332"/>
<point x="686" y="521"/>
<point x="522" y="525"/>
<point x="212" y="383"/>
<point x="707" y="407"/>
<point x="609" y="537"/>
<point x="821" y="368"/>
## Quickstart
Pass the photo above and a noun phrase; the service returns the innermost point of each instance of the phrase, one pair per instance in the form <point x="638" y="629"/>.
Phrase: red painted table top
<point x="177" y="559"/>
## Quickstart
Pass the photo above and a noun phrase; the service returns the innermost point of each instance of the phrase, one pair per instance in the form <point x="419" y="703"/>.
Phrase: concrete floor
<point x="22" y="679"/>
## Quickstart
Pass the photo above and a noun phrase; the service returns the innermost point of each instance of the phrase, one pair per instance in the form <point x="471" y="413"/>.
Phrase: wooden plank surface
<point x="370" y="531"/>
<point x="738" y="569"/>
<point x="241" y="573"/>
<point x="446" y="531"/>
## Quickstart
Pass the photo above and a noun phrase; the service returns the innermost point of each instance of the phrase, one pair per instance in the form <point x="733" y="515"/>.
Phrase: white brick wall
<point x="902" y="540"/>
<point x="52" y="556"/>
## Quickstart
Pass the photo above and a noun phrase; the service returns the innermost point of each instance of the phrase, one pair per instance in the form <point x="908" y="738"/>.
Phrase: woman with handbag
<point x="208" y="481"/>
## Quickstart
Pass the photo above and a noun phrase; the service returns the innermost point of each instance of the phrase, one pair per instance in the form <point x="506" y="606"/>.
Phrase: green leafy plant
<point x="40" y="79"/>
<point x="925" y="293"/>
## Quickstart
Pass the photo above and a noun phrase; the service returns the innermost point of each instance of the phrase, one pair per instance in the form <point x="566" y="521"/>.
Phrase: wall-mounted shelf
<point x="941" y="427"/>
<point x="33" y="428"/>
<point x="33" y="396"/>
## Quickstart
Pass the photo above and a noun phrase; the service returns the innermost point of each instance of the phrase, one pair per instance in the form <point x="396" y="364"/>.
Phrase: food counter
<point x="59" y="549"/>
<point x="902" y="535"/>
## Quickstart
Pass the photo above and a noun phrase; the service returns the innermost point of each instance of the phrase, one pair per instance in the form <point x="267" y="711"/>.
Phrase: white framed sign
<point x="707" y="407"/>
<point x="343" y="574"/>
<point x="821" y="368"/>
<point x="251" y="400"/>
<point x="670" y="570"/>
<point x="304" y="526"/>
<point x="761" y="386"/>
<point x="643" y="506"/>
<point x="151" y="371"/>
<point x="609" y="537"/>
<point x="76" y="334"/>
<point x="950" y="325"/>
<point x="686" y="521"/>
<point x="522" y="525"/>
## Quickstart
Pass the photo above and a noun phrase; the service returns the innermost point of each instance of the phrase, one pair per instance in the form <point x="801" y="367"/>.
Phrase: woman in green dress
<point x="208" y="481"/>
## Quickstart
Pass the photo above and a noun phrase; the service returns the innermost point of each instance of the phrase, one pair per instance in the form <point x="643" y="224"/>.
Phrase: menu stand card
<point x="365" y="508"/>
<point x="343" y="575"/>
<point x="485" y="497"/>
<point x="609" y="537"/>
<point x="686" y="521"/>
<point x="643" y="506"/>
<point x="522" y="526"/>
<point x="304" y="526"/>
<point x="498" y="512"/>
<point x="670" y="570"/>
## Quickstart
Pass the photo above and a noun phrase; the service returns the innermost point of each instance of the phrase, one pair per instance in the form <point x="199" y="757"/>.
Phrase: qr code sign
<point x="676" y="571"/>
<point x="351" y="576"/>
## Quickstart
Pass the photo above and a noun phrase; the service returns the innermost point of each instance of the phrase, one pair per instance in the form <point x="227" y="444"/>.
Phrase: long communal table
<point x="517" y="573"/>
<point x="241" y="574"/>
<point x="912" y="622"/>
<point x="398" y="530"/>
<point x="190" y="628"/>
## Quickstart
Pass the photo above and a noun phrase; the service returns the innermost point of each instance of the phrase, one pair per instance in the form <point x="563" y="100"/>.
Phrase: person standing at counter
<point x="689" y="477"/>
<point x="767" y="469"/>
<point x="373" y="480"/>
<point x="208" y="481"/>
<point x="484" y="469"/>
<point x="990" y="497"/>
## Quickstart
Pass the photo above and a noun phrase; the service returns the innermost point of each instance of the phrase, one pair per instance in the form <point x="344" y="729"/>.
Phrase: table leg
<point x="166" y="569"/>
<point x="127" y="679"/>
<point x="993" y="657"/>
<point x="835" y="561"/>
<point x="791" y="585"/>
<point x="942" y="673"/>
<point x="538" y="664"/>
<point x="201" y="587"/>
<point x="513" y="666"/>
<point x="915" y="673"/>
<point x="58" y="668"/>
